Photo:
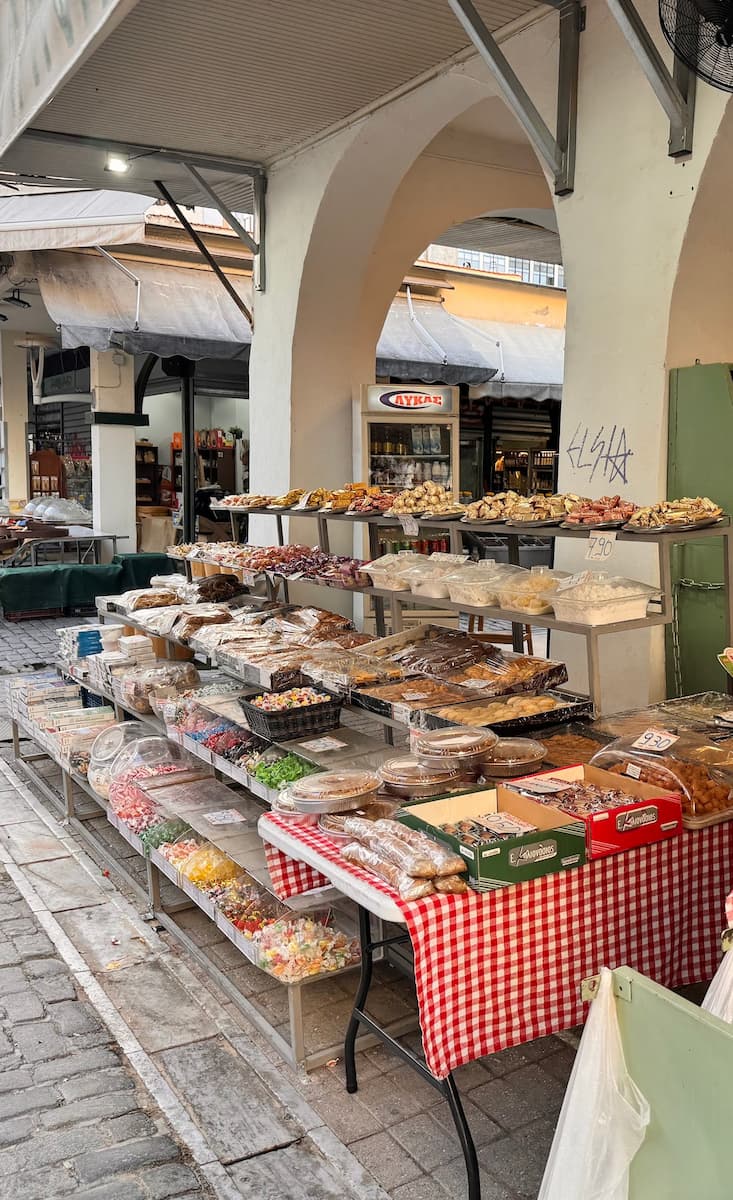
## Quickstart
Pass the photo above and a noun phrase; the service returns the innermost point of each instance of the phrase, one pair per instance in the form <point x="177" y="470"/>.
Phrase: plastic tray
<point x="569" y="709"/>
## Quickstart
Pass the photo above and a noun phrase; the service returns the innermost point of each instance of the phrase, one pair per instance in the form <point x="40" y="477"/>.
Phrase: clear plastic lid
<point x="513" y="756"/>
<point x="597" y="586"/>
<point x="455" y="743"/>
<point x="111" y="741"/>
<point x="410" y="772"/>
<point x="332" y="790"/>
<point x="706" y="790"/>
<point x="150" y="755"/>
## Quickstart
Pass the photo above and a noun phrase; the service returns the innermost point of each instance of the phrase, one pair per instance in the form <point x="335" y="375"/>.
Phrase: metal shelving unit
<point x="661" y="615"/>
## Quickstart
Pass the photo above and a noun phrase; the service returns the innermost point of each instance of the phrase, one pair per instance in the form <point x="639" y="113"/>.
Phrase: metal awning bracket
<point x="556" y="152"/>
<point x="255" y="244"/>
<point x="125" y="271"/>
<point x="675" y="90"/>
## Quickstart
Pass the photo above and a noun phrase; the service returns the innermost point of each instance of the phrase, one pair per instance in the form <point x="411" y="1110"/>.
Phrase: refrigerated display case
<point x="410" y="435"/>
<point x="472" y="465"/>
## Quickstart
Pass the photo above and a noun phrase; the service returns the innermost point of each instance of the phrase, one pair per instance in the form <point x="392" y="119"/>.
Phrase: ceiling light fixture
<point x="16" y="299"/>
<point x="119" y="164"/>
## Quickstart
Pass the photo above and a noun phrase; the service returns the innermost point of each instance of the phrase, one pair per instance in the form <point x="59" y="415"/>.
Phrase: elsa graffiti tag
<point x="605" y="453"/>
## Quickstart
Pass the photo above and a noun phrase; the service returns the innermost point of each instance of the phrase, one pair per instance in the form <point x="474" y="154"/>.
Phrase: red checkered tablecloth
<point x="502" y="968"/>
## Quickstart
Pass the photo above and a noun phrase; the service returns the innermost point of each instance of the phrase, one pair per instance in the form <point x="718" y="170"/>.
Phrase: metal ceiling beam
<point x="557" y="153"/>
<point x="675" y="93"/>
<point x="254" y="244"/>
<point x="207" y="162"/>
<point x="205" y="252"/>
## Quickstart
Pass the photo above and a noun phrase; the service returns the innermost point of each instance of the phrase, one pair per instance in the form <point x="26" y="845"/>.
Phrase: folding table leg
<point x="450" y="1092"/>
<point x="365" y="980"/>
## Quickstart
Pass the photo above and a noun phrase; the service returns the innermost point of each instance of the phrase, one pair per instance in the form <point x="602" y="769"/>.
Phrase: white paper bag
<point x="719" y="996"/>
<point x="604" y="1116"/>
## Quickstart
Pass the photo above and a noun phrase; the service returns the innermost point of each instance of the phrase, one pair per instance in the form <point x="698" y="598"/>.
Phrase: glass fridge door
<point x="401" y="455"/>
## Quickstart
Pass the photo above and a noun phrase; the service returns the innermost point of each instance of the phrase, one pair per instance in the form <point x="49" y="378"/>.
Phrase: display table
<point x="499" y="969"/>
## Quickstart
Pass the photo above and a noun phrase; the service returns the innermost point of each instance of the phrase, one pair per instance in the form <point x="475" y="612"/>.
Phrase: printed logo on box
<point x="537" y="852"/>
<point x="636" y="818"/>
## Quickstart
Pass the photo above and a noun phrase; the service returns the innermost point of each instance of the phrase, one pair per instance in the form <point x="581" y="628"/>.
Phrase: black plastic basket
<point x="293" y="722"/>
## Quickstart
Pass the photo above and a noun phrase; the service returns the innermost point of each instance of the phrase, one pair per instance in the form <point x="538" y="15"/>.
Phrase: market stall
<point x="240" y="744"/>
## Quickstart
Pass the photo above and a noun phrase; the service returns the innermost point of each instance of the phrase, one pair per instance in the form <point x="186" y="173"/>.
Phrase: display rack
<point x="293" y="1051"/>
<point x="659" y="614"/>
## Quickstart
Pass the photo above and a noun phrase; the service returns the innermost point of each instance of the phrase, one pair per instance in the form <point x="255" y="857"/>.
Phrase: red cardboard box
<point x="650" y="815"/>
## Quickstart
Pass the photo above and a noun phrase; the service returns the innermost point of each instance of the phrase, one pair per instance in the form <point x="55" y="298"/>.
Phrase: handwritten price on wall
<point x="655" y="739"/>
<point x="604" y="452"/>
<point x="600" y="546"/>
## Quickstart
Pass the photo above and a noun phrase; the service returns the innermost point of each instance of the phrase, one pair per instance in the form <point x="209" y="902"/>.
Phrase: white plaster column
<point x="112" y="375"/>
<point x="14" y="417"/>
<point x="622" y="232"/>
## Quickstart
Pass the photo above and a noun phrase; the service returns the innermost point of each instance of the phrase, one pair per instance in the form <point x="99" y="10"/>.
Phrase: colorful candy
<point x="296" y="947"/>
<point x="293" y="698"/>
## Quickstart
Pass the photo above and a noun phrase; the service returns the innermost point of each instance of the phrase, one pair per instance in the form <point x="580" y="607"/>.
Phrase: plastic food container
<point x="282" y="806"/>
<point x="390" y="572"/>
<point x="455" y="747"/>
<point x="596" y="598"/>
<point x="407" y="777"/>
<point x="513" y="756"/>
<point x="332" y="791"/>
<point x="706" y="792"/>
<point x="107" y="746"/>
<point x="136" y="686"/>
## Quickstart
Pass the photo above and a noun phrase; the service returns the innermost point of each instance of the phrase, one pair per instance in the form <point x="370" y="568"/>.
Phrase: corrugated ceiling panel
<point x="254" y="80"/>
<point x="504" y="237"/>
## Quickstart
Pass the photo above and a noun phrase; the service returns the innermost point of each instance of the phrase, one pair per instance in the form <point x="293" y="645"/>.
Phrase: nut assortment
<point x="687" y="511"/>
<point x="426" y="496"/>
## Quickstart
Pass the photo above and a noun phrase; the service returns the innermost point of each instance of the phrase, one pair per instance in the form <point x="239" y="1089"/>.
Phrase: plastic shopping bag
<point x="719" y="996"/>
<point x="604" y="1116"/>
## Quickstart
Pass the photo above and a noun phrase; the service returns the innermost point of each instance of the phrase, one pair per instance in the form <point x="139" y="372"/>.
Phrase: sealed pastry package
<point x="136" y="686"/>
<point x="405" y="886"/>
<point x="139" y="598"/>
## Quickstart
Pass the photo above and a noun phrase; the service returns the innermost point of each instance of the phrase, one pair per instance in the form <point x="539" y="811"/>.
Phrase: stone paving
<point x="73" y="1119"/>
<point x="271" y="1132"/>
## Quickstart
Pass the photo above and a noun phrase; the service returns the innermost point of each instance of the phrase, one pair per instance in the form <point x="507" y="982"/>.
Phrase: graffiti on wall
<point x="603" y="454"/>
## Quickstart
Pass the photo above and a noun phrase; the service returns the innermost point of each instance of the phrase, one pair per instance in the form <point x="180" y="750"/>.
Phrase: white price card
<point x="542" y="787"/>
<point x="320" y="745"/>
<point x="224" y="816"/>
<point x="409" y="524"/>
<point x="601" y="545"/>
<point x="655" y="739"/>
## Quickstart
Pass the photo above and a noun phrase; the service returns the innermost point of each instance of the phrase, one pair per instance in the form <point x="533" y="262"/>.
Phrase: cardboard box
<point x="650" y="815"/>
<point x="557" y="844"/>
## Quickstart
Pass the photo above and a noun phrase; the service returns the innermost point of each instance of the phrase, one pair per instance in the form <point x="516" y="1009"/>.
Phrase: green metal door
<point x="698" y="464"/>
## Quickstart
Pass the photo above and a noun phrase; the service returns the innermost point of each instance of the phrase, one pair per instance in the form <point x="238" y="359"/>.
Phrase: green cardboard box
<point x="557" y="843"/>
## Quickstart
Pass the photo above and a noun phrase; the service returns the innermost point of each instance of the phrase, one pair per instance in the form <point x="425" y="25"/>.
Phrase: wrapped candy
<point x="208" y="866"/>
<point x="297" y="947"/>
<point x="177" y="852"/>
<point x="164" y="831"/>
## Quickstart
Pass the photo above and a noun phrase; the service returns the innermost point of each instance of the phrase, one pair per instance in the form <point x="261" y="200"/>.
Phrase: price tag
<point x="633" y="771"/>
<point x="415" y="695"/>
<point x="655" y="739"/>
<point x="224" y="816"/>
<point x="725" y="717"/>
<point x="320" y="745"/>
<point x="409" y="524"/>
<point x="601" y="544"/>
<point x="543" y="787"/>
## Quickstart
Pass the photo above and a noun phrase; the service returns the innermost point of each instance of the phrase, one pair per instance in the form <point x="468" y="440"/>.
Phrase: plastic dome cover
<point x="150" y="755"/>
<point x="105" y="750"/>
<point x="42" y="505"/>
<point x="30" y="508"/>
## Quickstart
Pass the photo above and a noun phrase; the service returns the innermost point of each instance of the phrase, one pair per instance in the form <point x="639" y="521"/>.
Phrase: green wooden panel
<point x="698" y="463"/>
<point x="682" y="1060"/>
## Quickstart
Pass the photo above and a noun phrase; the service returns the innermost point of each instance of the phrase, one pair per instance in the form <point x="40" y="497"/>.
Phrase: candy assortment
<point x="294" y="948"/>
<point x="293" y="698"/>
<point x="579" y="799"/>
<point x="208" y="866"/>
<point x="246" y="905"/>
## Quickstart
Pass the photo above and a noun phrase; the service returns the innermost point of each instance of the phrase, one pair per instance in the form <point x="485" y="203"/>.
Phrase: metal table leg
<point x="446" y="1087"/>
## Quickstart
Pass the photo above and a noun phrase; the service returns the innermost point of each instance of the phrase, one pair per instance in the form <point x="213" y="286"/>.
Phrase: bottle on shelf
<point x="417" y="439"/>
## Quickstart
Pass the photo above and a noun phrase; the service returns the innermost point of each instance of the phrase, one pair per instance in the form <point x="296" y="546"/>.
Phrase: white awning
<point x="182" y="310"/>
<point x="532" y="359"/>
<point x="67" y="220"/>
<point x="42" y="43"/>
<point x="422" y="341"/>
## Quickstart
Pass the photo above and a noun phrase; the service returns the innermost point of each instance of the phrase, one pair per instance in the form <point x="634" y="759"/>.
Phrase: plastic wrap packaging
<point x="339" y="670"/>
<point x="513" y="673"/>
<point x="496" y="712"/>
<point x="443" y="651"/>
<point x="444" y="860"/>
<point x="306" y="626"/>
<point x="379" y="837"/>
<point x="213" y="589"/>
<point x="109" y="743"/>
<point x="209" y="867"/>
<point x="409" y="695"/>
<point x="706" y="792"/>
<point x="160" y="622"/>
<point x="190" y="620"/>
<point x="136" y="686"/>
<point x="452" y="885"/>
<point x="405" y="886"/>
<point x="140" y="598"/>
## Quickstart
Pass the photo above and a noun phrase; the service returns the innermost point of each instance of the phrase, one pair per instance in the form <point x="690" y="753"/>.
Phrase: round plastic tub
<point x="106" y="747"/>
<point x="407" y="777"/>
<point x="455" y="747"/>
<point x="332" y="791"/>
<point x="513" y="756"/>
